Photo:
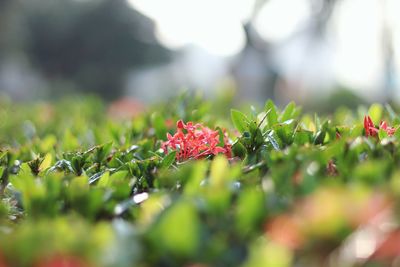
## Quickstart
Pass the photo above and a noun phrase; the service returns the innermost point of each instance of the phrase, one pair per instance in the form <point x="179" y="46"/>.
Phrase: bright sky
<point x="216" y="26"/>
<point x="276" y="21"/>
<point x="358" y="57"/>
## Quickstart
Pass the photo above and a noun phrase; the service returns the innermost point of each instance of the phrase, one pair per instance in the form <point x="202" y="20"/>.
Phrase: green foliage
<point x="240" y="120"/>
<point x="78" y="185"/>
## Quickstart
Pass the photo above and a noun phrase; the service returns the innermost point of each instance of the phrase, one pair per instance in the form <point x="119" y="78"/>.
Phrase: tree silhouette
<point x="91" y="43"/>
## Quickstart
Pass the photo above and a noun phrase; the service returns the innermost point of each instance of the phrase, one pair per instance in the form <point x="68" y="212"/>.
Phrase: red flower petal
<point x="180" y="124"/>
<point x="366" y="126"/>
<point x="197" y="142"/>
<point x="371" y="130"/>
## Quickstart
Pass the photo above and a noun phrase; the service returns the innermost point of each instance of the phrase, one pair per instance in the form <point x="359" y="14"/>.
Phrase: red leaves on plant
<point x="371" y="130"/>
<point x="194" y="141"/>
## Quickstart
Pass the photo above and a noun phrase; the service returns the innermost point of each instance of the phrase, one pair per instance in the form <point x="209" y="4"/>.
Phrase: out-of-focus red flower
<point x="331" y="168"/>
<point x="297" y="178"/>
<point x="169" y="123"/>
<point x="62" y="261"/>
<point x="2" y="261"/>
<point x="194" y="141"/>
<point x="371" y="130"/>
<point x="285" y="230"/>
<point x="389" y="249"/>
<point x="125" y="108"/>
<point x="338" y="135"/>
<point x="197" y="265"/>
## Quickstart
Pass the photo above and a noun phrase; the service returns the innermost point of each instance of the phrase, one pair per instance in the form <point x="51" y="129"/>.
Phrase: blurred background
<point x="311" y="51"/>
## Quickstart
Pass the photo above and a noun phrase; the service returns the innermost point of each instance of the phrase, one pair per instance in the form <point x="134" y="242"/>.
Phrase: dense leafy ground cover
<point x="266" y="187"/>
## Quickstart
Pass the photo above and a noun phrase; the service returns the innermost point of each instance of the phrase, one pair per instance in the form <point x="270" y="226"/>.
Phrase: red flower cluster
<point x="194" y="141"/>
<point x="371" y="130"/>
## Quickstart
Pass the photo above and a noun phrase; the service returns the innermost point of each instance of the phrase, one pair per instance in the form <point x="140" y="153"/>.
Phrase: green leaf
<point x="197" y="173"/>
<point x="274" y="142"/>
<point x="250" y="210"/>
<point x="375" y="112"/>
<point x="382" y="134"/>
<point x="219" y="171"/>
<point x="239" y="150"/>
<point x="240" y="121"/>
<point x="102" y="152"/>
<point x="392" y="114"/>
<point x="317" y="122"/>
<point x="319" y="137"/>
<point x="302" y="137"/>
<point x="272" y="115"/>
<point x="288" y="112"/>
<point x="168" y="160"/>
<point x="285" y="132"/>
<point x="268" y="254"/>
<point x="46" y="163"/>
<point x="104" y="180"/>
<point x="120" y="175"/>
<point x="159" y="125"/>
<point x="168" y="236"/>
<point x="221" y="137"/>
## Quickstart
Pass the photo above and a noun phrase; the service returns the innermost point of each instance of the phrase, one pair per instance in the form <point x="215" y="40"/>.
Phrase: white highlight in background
<point x="359" y="57"/>
<point x="215" y="26"/>
<point x="279" y="19"/>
